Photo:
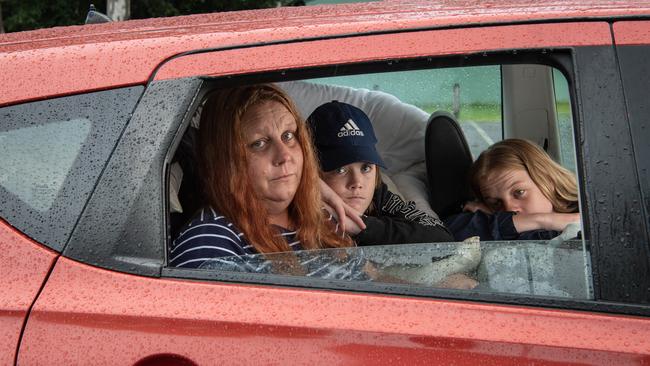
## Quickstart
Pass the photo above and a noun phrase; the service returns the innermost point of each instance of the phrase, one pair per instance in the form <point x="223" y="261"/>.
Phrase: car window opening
<point x="426" y="156"/>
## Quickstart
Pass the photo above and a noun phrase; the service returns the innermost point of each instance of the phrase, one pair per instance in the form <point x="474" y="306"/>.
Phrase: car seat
<point x="185" y="193"/>
<point x="448" y="159"/>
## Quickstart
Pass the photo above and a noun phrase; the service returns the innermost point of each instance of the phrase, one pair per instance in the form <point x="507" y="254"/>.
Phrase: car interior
<point x="428" y="155"/>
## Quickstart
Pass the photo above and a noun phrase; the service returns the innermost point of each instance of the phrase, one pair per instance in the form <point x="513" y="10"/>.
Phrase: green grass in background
<point x="563" y="110"/>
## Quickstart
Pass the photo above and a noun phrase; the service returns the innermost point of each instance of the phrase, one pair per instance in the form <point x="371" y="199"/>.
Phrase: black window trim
<point x="562" y="59"/>
<point x="46" y="226"/>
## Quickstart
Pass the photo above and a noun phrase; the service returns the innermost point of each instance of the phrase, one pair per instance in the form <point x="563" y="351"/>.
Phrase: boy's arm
<point x="399" y="222"/>
<point x="394" y="230"/>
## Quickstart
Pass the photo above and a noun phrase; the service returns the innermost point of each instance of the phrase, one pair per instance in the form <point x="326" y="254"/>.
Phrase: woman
<point x="521" y="194"/>
<point x="345" y="140"/>
<point x="260" y="180"/>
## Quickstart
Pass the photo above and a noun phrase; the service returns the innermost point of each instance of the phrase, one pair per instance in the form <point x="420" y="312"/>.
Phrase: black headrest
<point x="448" y="161"/>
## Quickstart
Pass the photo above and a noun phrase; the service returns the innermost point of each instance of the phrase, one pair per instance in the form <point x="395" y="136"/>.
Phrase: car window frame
<point x="632" y="45"/>
<point x="155" y="262"/>
<point x="124" y="231"/>
<point x="591" y="305"/>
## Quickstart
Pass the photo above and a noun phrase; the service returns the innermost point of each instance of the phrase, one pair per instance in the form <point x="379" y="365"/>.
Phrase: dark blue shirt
<point x="497" y="226"/>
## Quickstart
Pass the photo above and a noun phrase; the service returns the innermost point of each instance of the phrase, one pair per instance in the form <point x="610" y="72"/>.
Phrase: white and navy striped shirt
<point x="210" y="235"/>
<point x="210" y="241"/>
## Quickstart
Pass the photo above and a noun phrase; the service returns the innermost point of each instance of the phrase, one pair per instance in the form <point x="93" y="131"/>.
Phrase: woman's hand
<point x="351" y="222"/>
<point x="473" y="206"/>
<point x="343" y="226"/>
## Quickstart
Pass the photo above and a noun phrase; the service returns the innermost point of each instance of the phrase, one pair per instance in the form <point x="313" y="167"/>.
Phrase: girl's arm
<point x="527" y="222"/>
<point x="544" y="221"/>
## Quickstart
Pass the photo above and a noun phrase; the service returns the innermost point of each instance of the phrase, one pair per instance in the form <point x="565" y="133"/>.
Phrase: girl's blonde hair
<point x="554" y="181"/>
<point x="223" y="164"/>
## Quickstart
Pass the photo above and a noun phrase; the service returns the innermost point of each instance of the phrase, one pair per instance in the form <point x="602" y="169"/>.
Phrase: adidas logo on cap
<point x="350" y="129"/>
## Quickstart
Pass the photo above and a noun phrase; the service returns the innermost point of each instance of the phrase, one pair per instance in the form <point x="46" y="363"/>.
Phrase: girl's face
<point x="274" y="154"/>
<point x="354" y="183"/>
<point x="514" y="190"/>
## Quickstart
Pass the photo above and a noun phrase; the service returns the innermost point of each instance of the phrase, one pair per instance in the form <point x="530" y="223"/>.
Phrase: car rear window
<point x="35" y="172"/>
<point x="52" y="152"/>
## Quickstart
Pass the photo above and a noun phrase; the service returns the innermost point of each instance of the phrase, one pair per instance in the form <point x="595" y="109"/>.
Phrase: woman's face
<point x="274" y="154"/>
<point x="514" y="190"/>
<point x="354" y="183"/>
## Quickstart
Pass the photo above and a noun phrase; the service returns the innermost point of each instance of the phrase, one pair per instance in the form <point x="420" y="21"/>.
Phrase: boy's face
<point x="354" y="183"/>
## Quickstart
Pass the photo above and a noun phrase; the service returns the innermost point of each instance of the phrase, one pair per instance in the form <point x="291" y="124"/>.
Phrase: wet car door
<point x="25" y="265"/>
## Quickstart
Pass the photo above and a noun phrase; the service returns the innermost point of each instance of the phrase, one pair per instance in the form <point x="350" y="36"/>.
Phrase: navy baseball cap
<point x="343" y="135"/>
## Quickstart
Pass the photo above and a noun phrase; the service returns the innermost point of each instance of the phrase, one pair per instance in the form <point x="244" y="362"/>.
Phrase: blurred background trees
<point x="21" y="15"/>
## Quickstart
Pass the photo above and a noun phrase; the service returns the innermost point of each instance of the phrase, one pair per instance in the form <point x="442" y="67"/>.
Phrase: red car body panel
<point x="24" y="265"/>
<point x="632" y="33"/>
<point x="87" y="315"/>
<point x="378" y="47"/>
<point x="126" y="53"/>
<point x="119" y="318"/>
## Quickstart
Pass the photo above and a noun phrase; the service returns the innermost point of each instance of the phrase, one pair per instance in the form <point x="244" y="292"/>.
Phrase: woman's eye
<point x="258" y="144"/>
<point x="519" y="193"/>
<point x="288" y="136"/>
<point x="341" y="170"/>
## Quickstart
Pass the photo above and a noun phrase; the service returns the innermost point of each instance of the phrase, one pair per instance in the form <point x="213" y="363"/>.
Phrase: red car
<point x="93" y="122"/>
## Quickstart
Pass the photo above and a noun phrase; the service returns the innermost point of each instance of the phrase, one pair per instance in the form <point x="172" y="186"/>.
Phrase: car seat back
<point x="448" y="159"/>
<point x="185" y="193"/>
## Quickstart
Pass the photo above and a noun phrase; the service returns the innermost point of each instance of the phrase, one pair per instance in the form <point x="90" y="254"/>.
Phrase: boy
<point x="345" y="143"/>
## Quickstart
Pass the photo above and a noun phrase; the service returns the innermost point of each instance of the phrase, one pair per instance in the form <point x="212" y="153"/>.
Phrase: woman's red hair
<point x="223" y="165"/>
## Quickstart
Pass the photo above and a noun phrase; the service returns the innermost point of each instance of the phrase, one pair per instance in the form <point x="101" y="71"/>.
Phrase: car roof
<point x="126" y="53"/>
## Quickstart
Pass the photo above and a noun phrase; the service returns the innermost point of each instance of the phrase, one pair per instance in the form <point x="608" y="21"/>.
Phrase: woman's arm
<point x="343" y="226"/>
<point x="352" y="222"/>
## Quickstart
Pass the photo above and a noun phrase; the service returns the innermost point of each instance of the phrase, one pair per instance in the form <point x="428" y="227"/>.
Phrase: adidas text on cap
<point x="343" y="135"/>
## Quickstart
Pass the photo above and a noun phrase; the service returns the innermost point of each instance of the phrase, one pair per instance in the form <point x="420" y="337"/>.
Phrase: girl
<point x="521" y="194"/>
